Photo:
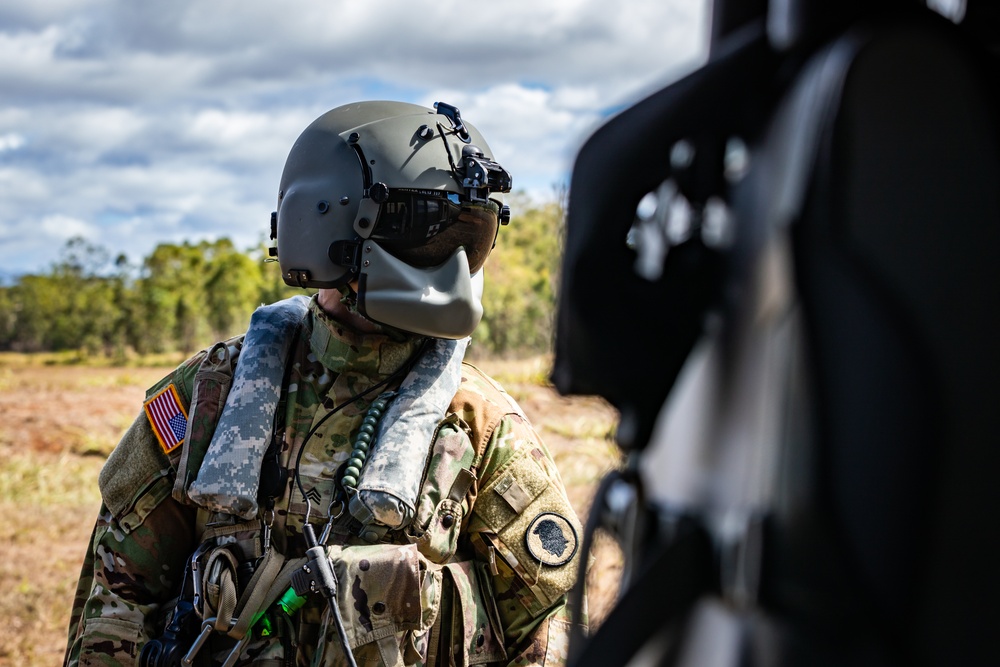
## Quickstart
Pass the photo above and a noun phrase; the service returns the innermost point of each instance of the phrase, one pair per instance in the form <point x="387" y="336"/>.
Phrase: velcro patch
<point x="551" y="539"/>
<point x="513" y="493"/>
<point x="167" y="417"/>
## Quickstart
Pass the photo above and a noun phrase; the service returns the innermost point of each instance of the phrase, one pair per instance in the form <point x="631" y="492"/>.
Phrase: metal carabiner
<point x="267" y="519"/>
<point x="331" y="518"/>
<point x="194" y="567"/>
<point x="206" y="630"/>
<point x="234" y="655"/>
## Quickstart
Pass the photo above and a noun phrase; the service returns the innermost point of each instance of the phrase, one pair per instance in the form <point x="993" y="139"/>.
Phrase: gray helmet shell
<point x="336" y="176"/>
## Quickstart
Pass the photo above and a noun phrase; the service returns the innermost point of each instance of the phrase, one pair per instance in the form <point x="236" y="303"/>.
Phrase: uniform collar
<point x="340" y="348"/>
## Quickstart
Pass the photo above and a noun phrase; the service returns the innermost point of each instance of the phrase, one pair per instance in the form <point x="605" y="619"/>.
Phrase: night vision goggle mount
<point x="475" y="171"/>
<point x="478" y="171"/>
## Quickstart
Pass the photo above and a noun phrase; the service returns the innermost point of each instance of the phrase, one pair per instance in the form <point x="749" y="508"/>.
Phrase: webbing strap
<point x="234" y="617"/>
<point x="219" y="585"/>
<point x="254" y="599"/>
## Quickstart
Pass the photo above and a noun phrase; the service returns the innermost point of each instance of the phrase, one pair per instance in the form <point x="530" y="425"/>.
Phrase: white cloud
<point x="533" y="132"/>
<point x="63" y="228"/>
<point x="134" y="124"/>
<point x="11" y="141"/>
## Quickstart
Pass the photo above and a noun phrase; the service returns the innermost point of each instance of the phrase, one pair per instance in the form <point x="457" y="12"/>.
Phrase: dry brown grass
<point x="59" y="422"/>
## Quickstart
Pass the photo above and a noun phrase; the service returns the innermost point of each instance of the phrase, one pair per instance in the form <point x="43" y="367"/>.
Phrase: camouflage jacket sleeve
<point x="133" y="569"/>
<point x="494" y="493"/>
<point x="527" y="534"/>
<point x="138" y="550"/>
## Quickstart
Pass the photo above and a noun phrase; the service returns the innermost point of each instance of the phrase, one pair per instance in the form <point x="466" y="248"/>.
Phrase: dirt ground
<point x="58" y="423"/>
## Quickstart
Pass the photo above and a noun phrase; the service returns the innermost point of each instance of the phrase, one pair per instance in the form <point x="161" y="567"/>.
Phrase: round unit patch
<point x="551" y="539"/>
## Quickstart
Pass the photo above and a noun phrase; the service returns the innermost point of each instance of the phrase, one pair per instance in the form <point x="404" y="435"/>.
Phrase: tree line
<point x="183" y="297"/>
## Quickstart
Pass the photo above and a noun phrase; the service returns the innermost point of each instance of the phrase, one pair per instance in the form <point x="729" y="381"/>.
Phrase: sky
<point x="132" y="123"/>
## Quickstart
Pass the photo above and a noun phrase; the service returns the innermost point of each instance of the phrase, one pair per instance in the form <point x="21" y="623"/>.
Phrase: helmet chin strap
<point x="442" y="302"/>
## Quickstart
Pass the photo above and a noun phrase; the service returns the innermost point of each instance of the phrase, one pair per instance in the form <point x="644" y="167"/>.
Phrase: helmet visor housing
<point x="424" y="227"/>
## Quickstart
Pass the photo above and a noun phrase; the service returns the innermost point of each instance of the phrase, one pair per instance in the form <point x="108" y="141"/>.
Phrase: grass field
<point x="59" y="421"/>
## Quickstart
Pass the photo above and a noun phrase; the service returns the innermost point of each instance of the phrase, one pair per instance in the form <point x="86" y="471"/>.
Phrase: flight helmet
<point x="404" y="202"/>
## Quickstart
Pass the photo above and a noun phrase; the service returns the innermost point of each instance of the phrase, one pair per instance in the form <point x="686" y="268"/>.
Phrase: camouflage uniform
<point x="479" y="576"/>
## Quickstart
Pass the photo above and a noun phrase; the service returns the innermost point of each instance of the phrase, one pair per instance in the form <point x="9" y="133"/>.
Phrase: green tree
<point x="169" y="293"/>
<point x="8" y="317"/>
<point x="186" y="296"/>
<point x="38" y="305"/>
<point x="233" y="289"/>
<point x="92" y="317"/>
<point x="521" y="279"/>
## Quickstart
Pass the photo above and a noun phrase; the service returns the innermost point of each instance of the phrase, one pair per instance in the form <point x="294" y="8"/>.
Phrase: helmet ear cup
<point x="308" y="226"/>
<point x="319" y="196"/>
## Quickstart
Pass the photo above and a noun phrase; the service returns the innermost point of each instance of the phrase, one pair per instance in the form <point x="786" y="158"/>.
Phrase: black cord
<point x="451" y="160"/>
<point x="338" y="622"/>
<point x="329" y="590"/>
<point x="337" y="408"/>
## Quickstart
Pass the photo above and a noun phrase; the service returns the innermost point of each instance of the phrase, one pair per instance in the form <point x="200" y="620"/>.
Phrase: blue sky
<point x="134" y="123"/>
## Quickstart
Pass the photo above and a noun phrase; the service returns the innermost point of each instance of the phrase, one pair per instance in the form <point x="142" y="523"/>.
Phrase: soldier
<point x="337" y="486"/>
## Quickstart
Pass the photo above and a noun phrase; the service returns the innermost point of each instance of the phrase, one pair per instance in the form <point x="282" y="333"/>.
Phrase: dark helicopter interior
<point x="798" y="247"/>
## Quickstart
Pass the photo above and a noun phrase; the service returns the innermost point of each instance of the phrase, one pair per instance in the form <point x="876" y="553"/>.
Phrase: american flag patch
<point x="167" y="417"/>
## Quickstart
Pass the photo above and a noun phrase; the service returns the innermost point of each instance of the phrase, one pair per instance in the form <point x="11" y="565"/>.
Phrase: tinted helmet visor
<point x="424" y="228"/>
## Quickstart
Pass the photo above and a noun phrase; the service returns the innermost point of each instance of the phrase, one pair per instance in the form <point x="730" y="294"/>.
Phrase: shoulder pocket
<point x="513" y="489"/>
<point x="382" y="590"/>
<point x="133" y="479"/>
<point x="136" y="477"/>
<point x="528" y="520"/>
<point x="442" y="504"/>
